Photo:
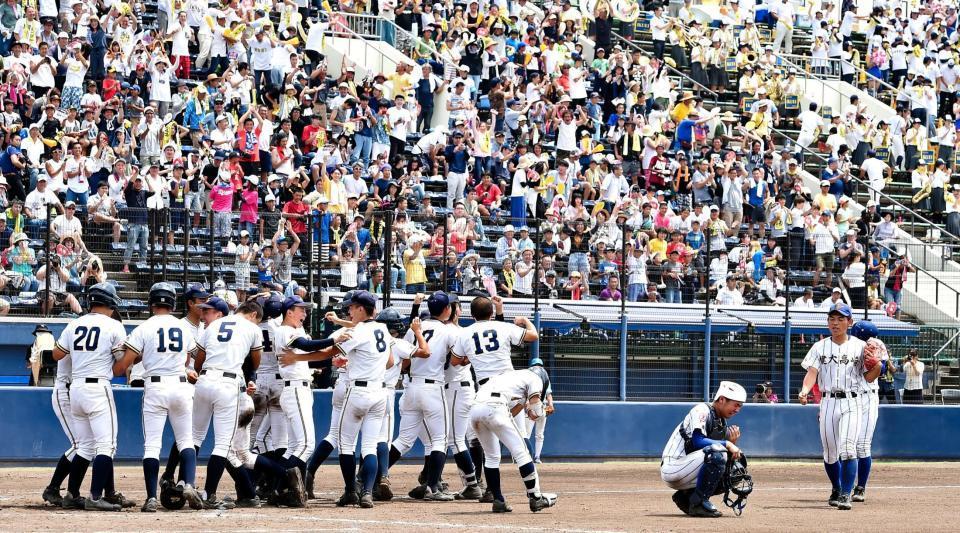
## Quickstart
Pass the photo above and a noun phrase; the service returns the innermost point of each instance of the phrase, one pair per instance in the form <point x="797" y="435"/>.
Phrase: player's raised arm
<point x="530" y="334"/>
<point x="423" y="350"/>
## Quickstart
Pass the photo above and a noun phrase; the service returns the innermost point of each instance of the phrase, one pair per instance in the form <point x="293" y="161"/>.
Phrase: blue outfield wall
<point x="577" y="429"/>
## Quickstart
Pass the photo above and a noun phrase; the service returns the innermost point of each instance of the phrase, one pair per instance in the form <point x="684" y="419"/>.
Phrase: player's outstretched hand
<point x="733" y="449"/>
<point x="803" y="398"/>
<point x="330" y="317"/>
<point x="287" y="358"/>
<point x="418" y="299"/>
<point x="192" y="376"/>
<point x="251" y="388"/>
<point x="339" y="361"/>
<point x="415" y="325"/>
<point x="521" y="321"/>
<point x="497" y="304"/>
<point x="733" y="433"/>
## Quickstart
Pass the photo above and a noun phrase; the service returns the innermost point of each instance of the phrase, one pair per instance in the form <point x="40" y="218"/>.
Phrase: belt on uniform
<point x="840" y="395"/>
<point x="228" y="375"/>
<point x="425" y="380"/>
<point x="278" y="377"/>
<point x="158" y="379"/>
<point x="460" y="383"/>
<point x="494" y="394"/>
<point x="296" y="383"/>
<point x="482" y="381"/>
<point x="95" y="380"/>
<point x="373" y="384"/>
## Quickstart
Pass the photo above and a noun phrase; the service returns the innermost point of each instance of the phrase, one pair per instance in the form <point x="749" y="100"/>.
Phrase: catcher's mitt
<point x="873" y="353"/>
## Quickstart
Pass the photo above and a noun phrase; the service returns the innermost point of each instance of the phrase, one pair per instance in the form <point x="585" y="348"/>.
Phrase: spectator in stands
<point x="805" y="301"/>
<point x="913" y="370"/>
<point x="67" y="225"/>
<point x="771" y="287"/>
<point x="612" y="291"/>
<point x="731" y="293"/>
<point x="575" y="288"/>
<point x="54" y="293"/>
<point x="414" y="266"/>
<point x="137" y="232"/>
<point x="36" y="205"/>
<point x="823" y="238"/>
<point x="23" y="259"/>
<point x="507" y="246"/>
<point x="836" y="296"/>
<point x="887" y="392"/>
<point x="673" y="277"/>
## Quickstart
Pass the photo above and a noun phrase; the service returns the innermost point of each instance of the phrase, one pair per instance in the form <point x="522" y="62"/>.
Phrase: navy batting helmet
<point x="864" y="330"/>
<point x="392" y="318"/>
<point x="544" y="377"/>
<point x="103" y="294"/>
<point x="272" y="305"/>
<point x="163" y="294"/>
<point x="342" y="307"/>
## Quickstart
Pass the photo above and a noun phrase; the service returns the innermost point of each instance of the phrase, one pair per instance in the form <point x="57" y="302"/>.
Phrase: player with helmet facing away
<point x="499" y="400"/>
<point x="164" y="347"/>
<point x="367" y="356"/>
<point x="696" y="457"/>
<point x="535" y="428"/>
<point x="868" y="332"/>
<point x="839" y="366"/>
<point x="93" y="342"/>
<point x="423" y="404"/>
<point x="271" y="435"/>
<point x="222" y="349"/>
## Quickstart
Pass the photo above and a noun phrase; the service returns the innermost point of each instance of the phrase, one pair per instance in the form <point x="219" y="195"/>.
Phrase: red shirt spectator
<point x="297" y="207"/>
<point x="488" y="192"/>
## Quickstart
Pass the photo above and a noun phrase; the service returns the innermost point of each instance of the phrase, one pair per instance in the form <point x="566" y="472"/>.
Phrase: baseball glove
<point x="873" y="353"/>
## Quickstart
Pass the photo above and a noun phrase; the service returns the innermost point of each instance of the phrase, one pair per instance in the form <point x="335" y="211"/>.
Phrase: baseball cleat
<point x="487" y="496"/>
<point x="844" y="503"/>
<point x="348" y="498"/>
<point x="248" y="503"/>
<point x="470" y="492"/>
<point x="99" y="505"/>
<point x="117" y="498"/>
<point x="541" y="502"/>
<point x="366" y="500"/>
<point x="150" y="506"/>
<point x="422" y="477"/>
<point x="419" y="492"/>
<point x="192" y="497"/>
<point x="72" y="502"/>
<point x="704" y="509"/>
<point x="308" y="485"/>
<point x="297" y="492"/>
<point x="501" y="507"/>
<point x="166" y="482"/>
<point x="382" y="492"/>
<point x="52" y="496"/>
<point x="859" y="494"/>
<point x="834" y="498"/>
<point x="213" y="503"/>
<point x="682" y="500"/>
<point x="438" y="496"/>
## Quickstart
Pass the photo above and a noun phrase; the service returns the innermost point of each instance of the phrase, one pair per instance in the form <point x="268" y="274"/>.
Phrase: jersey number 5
<point x="226" y="331"/>
<point x="492" y="345"/>
<point x="91" y="336"/>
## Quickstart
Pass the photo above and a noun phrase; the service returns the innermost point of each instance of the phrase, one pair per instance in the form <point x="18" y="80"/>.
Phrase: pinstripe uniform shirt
<point x="839" y="366"/>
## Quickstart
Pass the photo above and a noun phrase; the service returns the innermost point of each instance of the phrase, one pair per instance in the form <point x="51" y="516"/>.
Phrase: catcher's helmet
<point x="542" y="374"/>
<point x="103" y="294"/>
<point x="341" y="309"/>
<point x="739" y="482"/>
<point x="272" y="305"/>
<point x="864" y="330"/>
<point x="172" y="498"/>
<point x="392" y="318"/>
<point x="163" y="295"/>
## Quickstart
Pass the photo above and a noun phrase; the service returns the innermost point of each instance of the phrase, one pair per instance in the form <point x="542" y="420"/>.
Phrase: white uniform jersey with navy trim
<point x="340" y="372"/>
<point x="194" y="329"/>
<point x="695" y="419"/>
<point x="64" y="370"/>
<point x="228" y="341"/>
<point x="268" y="361"/>
<point x="285" y="336"/>
<point x="91" y="341"/>
<point x="488" y="345"/>
<point x="367" y="351"/>
<point x="840" y="367"/>
<point x="163" y="344"/>
<point x="440" y="339"/>
<point x="874" y="386"/>
<point x="456" y="373"/>
<point x="401" y="349"/>
<point x="513" y="387"/>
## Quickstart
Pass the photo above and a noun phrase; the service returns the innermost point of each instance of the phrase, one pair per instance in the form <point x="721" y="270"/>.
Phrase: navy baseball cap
<point x="363" y="298"/>
<point x="294" y="301"/>
<point x="841" y="309"/>
<point x="195" y="292"/>
<point x="216" y="303"/>
<point x="437" y="302"/>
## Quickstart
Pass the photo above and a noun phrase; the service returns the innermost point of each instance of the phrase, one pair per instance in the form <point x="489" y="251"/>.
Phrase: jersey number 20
<point x="492" y="345"/>
<point x="91" y="336"/>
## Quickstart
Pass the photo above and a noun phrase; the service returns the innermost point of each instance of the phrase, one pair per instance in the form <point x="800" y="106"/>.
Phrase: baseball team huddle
<point x="702" y="458"/>
<point x="249" y="374"/>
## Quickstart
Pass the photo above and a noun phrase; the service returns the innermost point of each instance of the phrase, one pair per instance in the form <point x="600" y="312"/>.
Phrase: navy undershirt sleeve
<point x="700" y="442"/>
<point x="309" y="345"/>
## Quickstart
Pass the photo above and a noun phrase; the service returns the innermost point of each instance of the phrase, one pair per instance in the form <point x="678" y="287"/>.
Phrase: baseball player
<point x="423" y="404"/>
<point x="367" y="357"/>
<point x="163" y="345"/>
<point x="695" y="458"/>
<point x="60" y="399"/>
<point x="867" y="332"/>
<point x="837" y="366"/>
<point x="535" y="428"/>
<point x="192" y="321"/>
<point x="341" y="318"/>
<point x="459" y="390"/>
<point x="222" y="348"/>
<point x="94" y="342"/>
<point x="499" y="400"/>
<point x="271" y="436"/>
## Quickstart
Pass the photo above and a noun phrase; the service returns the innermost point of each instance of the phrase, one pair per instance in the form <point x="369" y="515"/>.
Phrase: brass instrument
<point x="752" y="57"/>
<point x="923" y="193"/>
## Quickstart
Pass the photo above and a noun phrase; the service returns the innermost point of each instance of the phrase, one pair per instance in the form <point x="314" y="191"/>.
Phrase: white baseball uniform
<point x="164" y="346"/>
<point x="296" y="399"/>
<point x="491" y="419"/>
<point x="195" y="330"/>
<point x="870" y="408"/>
<point x="240" y="453"/>
<point x="401" y="349"/>
<point x="424" y="403"/>
<point x="272" y="430"/>
<point x="336" y="400"/>
<point x="93" y="342"/>
<point x="227" y="342"/>
<point x="460" y="392"/>
<point x="488" y="345"/>
<point x="60" y="399"/>
<point x="364" y="405"/>
<point x="839" y="377"/>
<point x="536" y="429"/>
<point x="680" y="465"/>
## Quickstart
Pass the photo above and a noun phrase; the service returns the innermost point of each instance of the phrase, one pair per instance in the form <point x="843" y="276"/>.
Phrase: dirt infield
<point x="611" y="496"/>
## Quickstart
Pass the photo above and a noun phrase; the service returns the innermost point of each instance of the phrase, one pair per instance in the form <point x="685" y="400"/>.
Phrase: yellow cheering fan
<point x="50" y="143"/>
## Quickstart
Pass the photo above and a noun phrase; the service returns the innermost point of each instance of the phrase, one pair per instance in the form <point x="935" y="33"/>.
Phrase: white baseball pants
<point x="240" y="453"/>
<point x="296" y="400"/>
<point x="336" y="408"/>
<point x="423" y="405"/>
<point x="459" y="402"/>
<point x="363" y="412"/>
<point x="387" y="427"/>
<point x="494" y="425"/>
<point x="95" y="417"/>
<point x="870" y="410"/>
<point x="60" y="399"/>
<point x="168" y="398"/>
<point x="681" y="474"/>
<point x="272" y="432"/>
<point x="840" y="427"/>
<point x="218" y="398"/>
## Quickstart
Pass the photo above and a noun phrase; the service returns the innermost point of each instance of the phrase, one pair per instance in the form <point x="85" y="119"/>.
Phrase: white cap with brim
<point x="731" y="391"/>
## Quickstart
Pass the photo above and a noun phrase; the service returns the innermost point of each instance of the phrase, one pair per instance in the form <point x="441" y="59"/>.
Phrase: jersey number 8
<point x="381" y="341"/>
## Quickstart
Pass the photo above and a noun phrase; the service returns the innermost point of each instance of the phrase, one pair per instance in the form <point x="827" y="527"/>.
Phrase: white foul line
<point x="761" y="488"/>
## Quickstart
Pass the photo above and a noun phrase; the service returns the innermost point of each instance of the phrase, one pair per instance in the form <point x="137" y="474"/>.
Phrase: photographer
<point x="913" y="387"/>
<point x="57" y="295"/>
<point x="764" y="393"/>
